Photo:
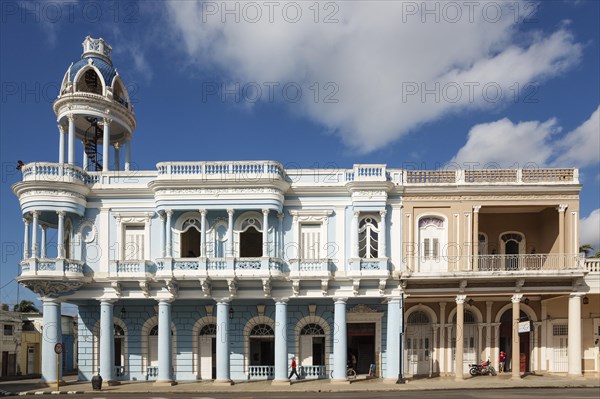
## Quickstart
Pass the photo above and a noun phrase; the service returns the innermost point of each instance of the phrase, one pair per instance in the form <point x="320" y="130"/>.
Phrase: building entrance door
<point x="361" y="345"/>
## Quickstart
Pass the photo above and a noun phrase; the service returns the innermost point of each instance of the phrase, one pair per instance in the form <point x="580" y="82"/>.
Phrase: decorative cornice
<point x="362" y="308"/>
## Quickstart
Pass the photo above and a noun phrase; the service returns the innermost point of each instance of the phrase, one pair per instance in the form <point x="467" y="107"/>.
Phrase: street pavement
<point x="360" y="386"/>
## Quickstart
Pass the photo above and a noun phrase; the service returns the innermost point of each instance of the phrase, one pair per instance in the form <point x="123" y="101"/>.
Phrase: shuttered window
<point x="310" y="241"/>
<point x="134" y="243"/>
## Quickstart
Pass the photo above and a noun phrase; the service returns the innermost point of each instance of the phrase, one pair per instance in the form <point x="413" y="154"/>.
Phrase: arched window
<point x="512" y="244"/>
<point x="312" y="345"/>
<point x="418" y="317"/>
<point x="262" y="330"/>
<point x="119" y="93"/>
<point x="90" y="82"/>
<point x="312" y="329"/>
<point x="219" y="239"/>
<point x="251" y="245"/>
<point x="469" y="317"/>
<point x="368" y="238"/>
<point x="190" y="238"/>
<point x="209" y="329"/>
<point x="482" y="238"/>
<point x="67" y="239"/>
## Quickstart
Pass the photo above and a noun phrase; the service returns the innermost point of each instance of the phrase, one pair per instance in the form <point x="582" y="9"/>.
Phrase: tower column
<point x="60" y="245"/>
<point x="340" y="345"/>
<point x="394" y="323"/>
<point x="460" y="317"/>
<point x="516" y="341"/>
<point x="223" y="342"/>
<point x="203" y="232"/>
<point x="106" y="144"/>
<point x="442" y="355"/>
<point x="117" y="151"/>
<point x="381" y="250"/>
<point x="163" y="243"/>
<point x="26" y="239"/>
<point x="265" y="232"/>
<point x="230" y="245"/>
<point x="281" y="361"/>
<point x="168" y="234"/>
<point x="61" y="144"/>
<point x="34" y="232"/>
<point x="43" y="243"/>
<point x="574" y="335"/>
<point x="165" y="348"/>
<point x="127" y="154"/>
<point x="354" y="232"/>
<point x="71" y="156"/>
<point x="51" y="335"/>
<point x="280" y="235"/>
<point x="107" y="342"/>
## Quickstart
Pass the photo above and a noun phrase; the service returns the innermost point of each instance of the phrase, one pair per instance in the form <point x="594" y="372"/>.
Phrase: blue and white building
<point x="225" y="270"/>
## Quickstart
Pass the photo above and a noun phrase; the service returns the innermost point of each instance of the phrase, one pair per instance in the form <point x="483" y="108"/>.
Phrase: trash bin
<point x="97" y="382"/>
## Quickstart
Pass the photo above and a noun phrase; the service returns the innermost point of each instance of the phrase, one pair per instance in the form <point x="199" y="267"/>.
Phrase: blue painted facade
<point x="224" y="271"/>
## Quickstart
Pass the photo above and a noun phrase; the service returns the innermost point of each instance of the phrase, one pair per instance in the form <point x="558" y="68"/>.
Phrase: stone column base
<point x="50" y="384"/>
<point x="165" y="383"/>
<point x="222" y="383"/>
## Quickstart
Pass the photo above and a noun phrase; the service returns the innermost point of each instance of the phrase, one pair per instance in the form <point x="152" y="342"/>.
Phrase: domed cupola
<point x="94" y="107"/>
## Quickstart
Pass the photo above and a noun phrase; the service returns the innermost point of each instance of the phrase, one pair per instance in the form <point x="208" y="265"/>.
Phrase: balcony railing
<point x="238" y="171"/>
<point x="51" y="267"/>
<point x="488" y="176"/>
<point x="310" y="267"/>
<point x="495" y="263"/>
<point x="592" y="265"/>
<point x="220" y="267"/>
<point x="53" y="172"/>
<point x="312" y="372"/>
<point x="261" y="372"/>
<point x="132" y="268"/>
<point x="371" y="267"/>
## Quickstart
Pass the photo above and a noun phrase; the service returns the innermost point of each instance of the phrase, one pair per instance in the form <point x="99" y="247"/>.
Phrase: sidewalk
<point x="28" y="387"/>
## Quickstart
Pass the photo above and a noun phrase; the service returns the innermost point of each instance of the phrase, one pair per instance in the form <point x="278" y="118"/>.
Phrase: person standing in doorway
<point x="501" y="361"/>
<point x="294" y="366"/>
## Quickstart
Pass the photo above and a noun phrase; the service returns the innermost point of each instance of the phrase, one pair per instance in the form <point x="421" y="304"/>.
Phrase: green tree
<point x="596" y="255"/>
<point x="25" y="307"/>
<point x="586" y="248"/>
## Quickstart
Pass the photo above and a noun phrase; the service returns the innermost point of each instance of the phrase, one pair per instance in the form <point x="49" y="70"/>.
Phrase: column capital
<point x="281" y="300"/>
<point x="280" y="216"/>
<point x="70" y="117"/>
<point x="356" y="214"/>
<point x="162" y="216"/>
<point x="110" y="301"/>
<point x="230" y="211"/>
<point x="26" y="221"/>
<point x="61" y="129"/>
<point x="265" y="211"/>
<point x="162" y="301"/>
<point x="169" y="212"/>
<point x="576" y="294"/>
<point x="61" y="214"/>
<point x="43" y="226"/>
<point x="383" y="213"/>
<point x="116" y="145"/>
<point x="223" y="301"/>
<point x="35" y="214"/>
<point x="107" y="121"/>
<point x="460" y="299"/>
<point x="476" y="208"/>
<point x="340" y="299"/>
<point x="562" y="207"/>
<point x="516" y="298"/>
<point x="203" y="212"/>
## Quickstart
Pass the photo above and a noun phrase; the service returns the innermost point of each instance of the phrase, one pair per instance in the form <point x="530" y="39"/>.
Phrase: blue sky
<point x="511" y="82"/>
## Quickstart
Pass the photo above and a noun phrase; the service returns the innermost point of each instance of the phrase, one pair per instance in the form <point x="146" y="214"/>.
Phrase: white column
<point x="488" y="332"/>
<point x="26" y="239"/>
<point x="381" y="250"/>
<point x="544" y="314"/>
<point x="34" y="232"/>
<point x="230" y="243"/>
<point x="71" y="152"/>
<point x="574" y="335"/>
<point x="51" y="335"/>
<point x="354" y="232"/>
<point x="163" y="235"/>
<point x="516" y="341"/>
<point x="107" y="342"/>
<point x="475" y="238"/>
<point x="496" y="329"/>
<point x="117" y="151"/>
<point x="479" y="339"/>
<point x="106" y="144"/>
<point x="281" y="360"/>
<point x="169" y="234"/>
<point x="165" y="343"/>
<point x="340" y="348"/>
<point x="280" y="235"/>
<point x="128" y="154"/>
<point x="223" y="372"/>
<point x="394" y="323"/>
<point x="85" y="159"/>
<point x="43" y="241"/>
<point x="60" y="245"/>
<point x="460" y="314"/>
<point x="265" y="232"/>
<point x="203" y="232"/>
<point x="443" y="368"/>
<point x="61" y="144"/>
<point x="534" y="339"/>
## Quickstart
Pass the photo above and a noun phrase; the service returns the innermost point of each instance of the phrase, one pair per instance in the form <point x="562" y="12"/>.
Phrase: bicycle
<point x="350" y="373"/>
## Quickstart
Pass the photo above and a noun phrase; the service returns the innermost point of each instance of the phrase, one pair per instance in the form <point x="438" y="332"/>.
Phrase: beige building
<point x="10" y="343"/>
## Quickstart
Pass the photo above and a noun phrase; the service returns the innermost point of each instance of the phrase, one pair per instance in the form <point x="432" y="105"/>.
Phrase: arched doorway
<point x="251" y="245"/>
<point x="512" y="244"/>
<point x="470" y="338"/>
<point x="419" y="342"/>
<point x="506" y="342"/>
<point x="119" y="351"/>
<point x="207" y="356"/>
<point x="312" y="349"/>
<point x="262" y="351"/>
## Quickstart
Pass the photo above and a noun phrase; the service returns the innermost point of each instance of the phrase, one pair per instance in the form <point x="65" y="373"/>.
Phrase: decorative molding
<point x="116" y="286"/>
<point x="232" y="286"/>
<point x="206" y="286"/>
<point x="519" y="284"/>
<point x="145" y="287"/>
<point x="516" y="298"/>
<point x="382" y="284"/>
<point x="266" y="282"/>
<point x="52" y="193"/>
<point x="217" y="191"/>
<point x="52" y="288"/>
<point x="296" y="287"/>
<point x="462" y="285"/>
<point x="324" y="286"/>
<point x="460" y="299"/>
<point x="355" y="286"/>
<point x="362" y="308"/>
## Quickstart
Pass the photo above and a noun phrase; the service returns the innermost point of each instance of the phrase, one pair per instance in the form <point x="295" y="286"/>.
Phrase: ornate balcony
<point x="215" y="268"/>
<point x="46" y="276"/>
<point x="53" y="172"/>
<point x="261" y="372"/>
<point x="369" y="268"/>
<point x="310" y="268"/>
<point x="132" y="269"/>
<point x="221" y="171"/>
<point x="592" y="265"/>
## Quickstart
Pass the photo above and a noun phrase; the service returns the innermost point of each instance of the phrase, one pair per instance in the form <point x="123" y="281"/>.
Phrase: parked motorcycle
<point x="484" y="368"/>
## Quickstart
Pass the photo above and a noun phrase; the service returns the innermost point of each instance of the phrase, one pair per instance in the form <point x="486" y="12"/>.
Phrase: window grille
<point x="560" y="329"/>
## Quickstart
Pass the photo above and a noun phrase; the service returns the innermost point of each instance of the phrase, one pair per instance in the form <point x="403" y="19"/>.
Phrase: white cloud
<point x="532" y="142"/>
<point x="372" y="56"/>
<point x="589" y="230"/>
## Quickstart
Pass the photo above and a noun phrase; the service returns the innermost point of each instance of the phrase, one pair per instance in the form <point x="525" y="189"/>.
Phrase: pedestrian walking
<point x="294" y="366"/>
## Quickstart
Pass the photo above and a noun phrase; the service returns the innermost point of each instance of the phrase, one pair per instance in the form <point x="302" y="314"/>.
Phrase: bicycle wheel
<point x="350" y="373"/>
